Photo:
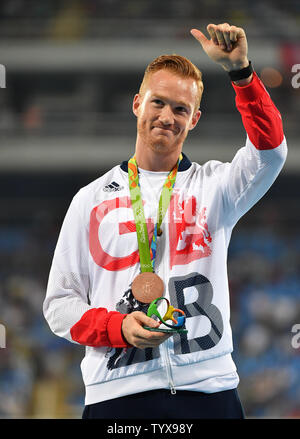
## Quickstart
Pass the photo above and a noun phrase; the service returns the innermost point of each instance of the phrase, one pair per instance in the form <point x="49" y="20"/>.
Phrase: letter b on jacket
<point x="200" y="309"/>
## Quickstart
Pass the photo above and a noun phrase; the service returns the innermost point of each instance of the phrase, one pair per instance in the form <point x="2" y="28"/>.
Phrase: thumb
<point x="199" y="36"/>
<point x="142" y="319"/>
<point x="148" y="321"/>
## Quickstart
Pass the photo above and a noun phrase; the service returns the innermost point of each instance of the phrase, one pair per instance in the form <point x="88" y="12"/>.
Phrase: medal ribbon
<point x="148" y="252"/>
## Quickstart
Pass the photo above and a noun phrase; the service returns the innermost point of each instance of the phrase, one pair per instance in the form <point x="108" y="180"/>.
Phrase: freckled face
<point x="165" y="111"/>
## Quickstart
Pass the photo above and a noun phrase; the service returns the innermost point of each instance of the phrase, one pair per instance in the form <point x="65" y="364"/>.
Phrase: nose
<point x="166" y="116"/>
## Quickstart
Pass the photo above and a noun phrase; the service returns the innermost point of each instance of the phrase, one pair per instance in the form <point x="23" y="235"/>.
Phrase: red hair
<point x="179" y="65"/>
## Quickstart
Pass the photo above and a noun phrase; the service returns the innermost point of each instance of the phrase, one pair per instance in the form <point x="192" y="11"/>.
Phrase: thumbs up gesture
<point x="227" y="45"/>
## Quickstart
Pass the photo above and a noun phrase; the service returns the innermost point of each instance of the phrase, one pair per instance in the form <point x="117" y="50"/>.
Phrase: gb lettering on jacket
<point x="189" y="235"/>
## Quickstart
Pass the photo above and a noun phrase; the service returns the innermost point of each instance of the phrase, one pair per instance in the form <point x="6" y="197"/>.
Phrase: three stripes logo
<point x="113" y="187"/>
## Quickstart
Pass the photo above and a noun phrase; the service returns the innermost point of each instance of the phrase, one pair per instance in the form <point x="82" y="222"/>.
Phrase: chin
<point x="164" y="146"/>
<point x="161" y="144"/>
<point x="161" y="148"/>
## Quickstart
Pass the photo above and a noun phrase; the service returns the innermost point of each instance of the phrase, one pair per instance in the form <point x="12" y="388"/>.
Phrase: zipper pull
<point x="173" y="390"/>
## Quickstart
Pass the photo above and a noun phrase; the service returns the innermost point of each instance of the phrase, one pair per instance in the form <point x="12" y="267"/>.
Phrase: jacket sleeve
<point x="66" y="306"/>
<point x="255" y="167"/>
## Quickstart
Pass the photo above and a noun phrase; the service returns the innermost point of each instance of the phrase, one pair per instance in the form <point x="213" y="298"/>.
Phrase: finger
<point x="143" y="334"/>
<point x="148" y="321"/>
<point x="233" y="34"/>
<point x="142" y="338"/>
<point x="240" y="32"/>
<point x="199" y="36"/>
<point x="155" y="343"/>
<point x="225" y="28"/>
<point x="211" y="30"/>
<point x="152" y="339"/>
<point x="152" y="335"/>
<point x="145" y="320"/>
<point x="221" y="39"/>
<point x="226" y="35"/>
<point x="237" y="33"/>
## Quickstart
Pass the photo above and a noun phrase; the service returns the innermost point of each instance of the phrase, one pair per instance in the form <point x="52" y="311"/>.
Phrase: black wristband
<point x="236" y="75"/>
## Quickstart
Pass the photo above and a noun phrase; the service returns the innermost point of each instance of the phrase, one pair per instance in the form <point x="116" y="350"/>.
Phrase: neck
<point x="156" y="162"/>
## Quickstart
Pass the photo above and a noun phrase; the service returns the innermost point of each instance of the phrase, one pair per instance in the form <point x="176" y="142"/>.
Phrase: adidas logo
<point x="113" y="187"/>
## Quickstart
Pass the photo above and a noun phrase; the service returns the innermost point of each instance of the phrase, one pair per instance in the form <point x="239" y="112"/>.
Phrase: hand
<point x="136" y="335"/>
<point x="227" y="46"/>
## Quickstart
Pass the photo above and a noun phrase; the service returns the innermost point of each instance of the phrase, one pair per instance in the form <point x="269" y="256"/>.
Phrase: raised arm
<point x="254" y="167"/>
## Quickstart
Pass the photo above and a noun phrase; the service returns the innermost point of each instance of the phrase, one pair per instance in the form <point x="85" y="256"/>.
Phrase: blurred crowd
<point x="264" y="270"/>
<point x="138" y="8"/>
<point x="40" y="372"/>
<point x="76" y="19"/>
<point x="88" y="102"/>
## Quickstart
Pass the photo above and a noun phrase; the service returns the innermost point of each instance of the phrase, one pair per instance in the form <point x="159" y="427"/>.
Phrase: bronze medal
<point x="147" y="286"/>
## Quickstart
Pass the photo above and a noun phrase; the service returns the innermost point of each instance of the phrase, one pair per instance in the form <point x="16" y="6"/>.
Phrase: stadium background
<point x="72" y="68"/>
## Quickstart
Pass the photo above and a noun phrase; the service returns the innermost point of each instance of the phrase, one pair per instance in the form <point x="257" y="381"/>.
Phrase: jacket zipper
<point x="168" y="368"/>
<point x="165" y="349"/>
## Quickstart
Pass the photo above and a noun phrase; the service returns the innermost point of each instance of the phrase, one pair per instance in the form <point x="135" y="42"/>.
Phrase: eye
<point x="181" y="109"/>
<point x="157" y="101"/>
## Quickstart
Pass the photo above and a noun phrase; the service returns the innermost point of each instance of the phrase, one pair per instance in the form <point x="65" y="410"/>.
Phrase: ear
<point x="195" y="118"/>
<point x="136" y="103"/>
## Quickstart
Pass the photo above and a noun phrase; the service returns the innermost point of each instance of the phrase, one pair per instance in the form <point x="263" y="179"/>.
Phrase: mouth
<point x="163" y="129"/>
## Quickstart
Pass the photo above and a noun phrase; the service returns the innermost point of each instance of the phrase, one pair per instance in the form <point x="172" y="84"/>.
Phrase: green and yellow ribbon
<point x="148" y="252"/>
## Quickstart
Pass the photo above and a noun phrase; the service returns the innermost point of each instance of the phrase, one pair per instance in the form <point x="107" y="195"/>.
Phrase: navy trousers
<point x="161" y="404"/>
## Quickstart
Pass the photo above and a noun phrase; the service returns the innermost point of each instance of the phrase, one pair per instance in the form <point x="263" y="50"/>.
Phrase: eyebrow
<point x="178" y="103"/>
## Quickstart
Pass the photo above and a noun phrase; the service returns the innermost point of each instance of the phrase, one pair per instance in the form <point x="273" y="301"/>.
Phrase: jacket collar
<point x="183" y="165"/>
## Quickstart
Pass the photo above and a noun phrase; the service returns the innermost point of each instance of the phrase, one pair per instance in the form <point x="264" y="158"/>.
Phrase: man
<point x="92" y="297"/>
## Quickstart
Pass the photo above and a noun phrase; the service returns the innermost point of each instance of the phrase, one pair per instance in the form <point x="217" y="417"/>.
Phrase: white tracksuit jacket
<point x="96" y="259"/>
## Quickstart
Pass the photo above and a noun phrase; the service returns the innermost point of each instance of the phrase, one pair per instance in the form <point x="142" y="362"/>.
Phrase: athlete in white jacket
<point x="89" y="300"/>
